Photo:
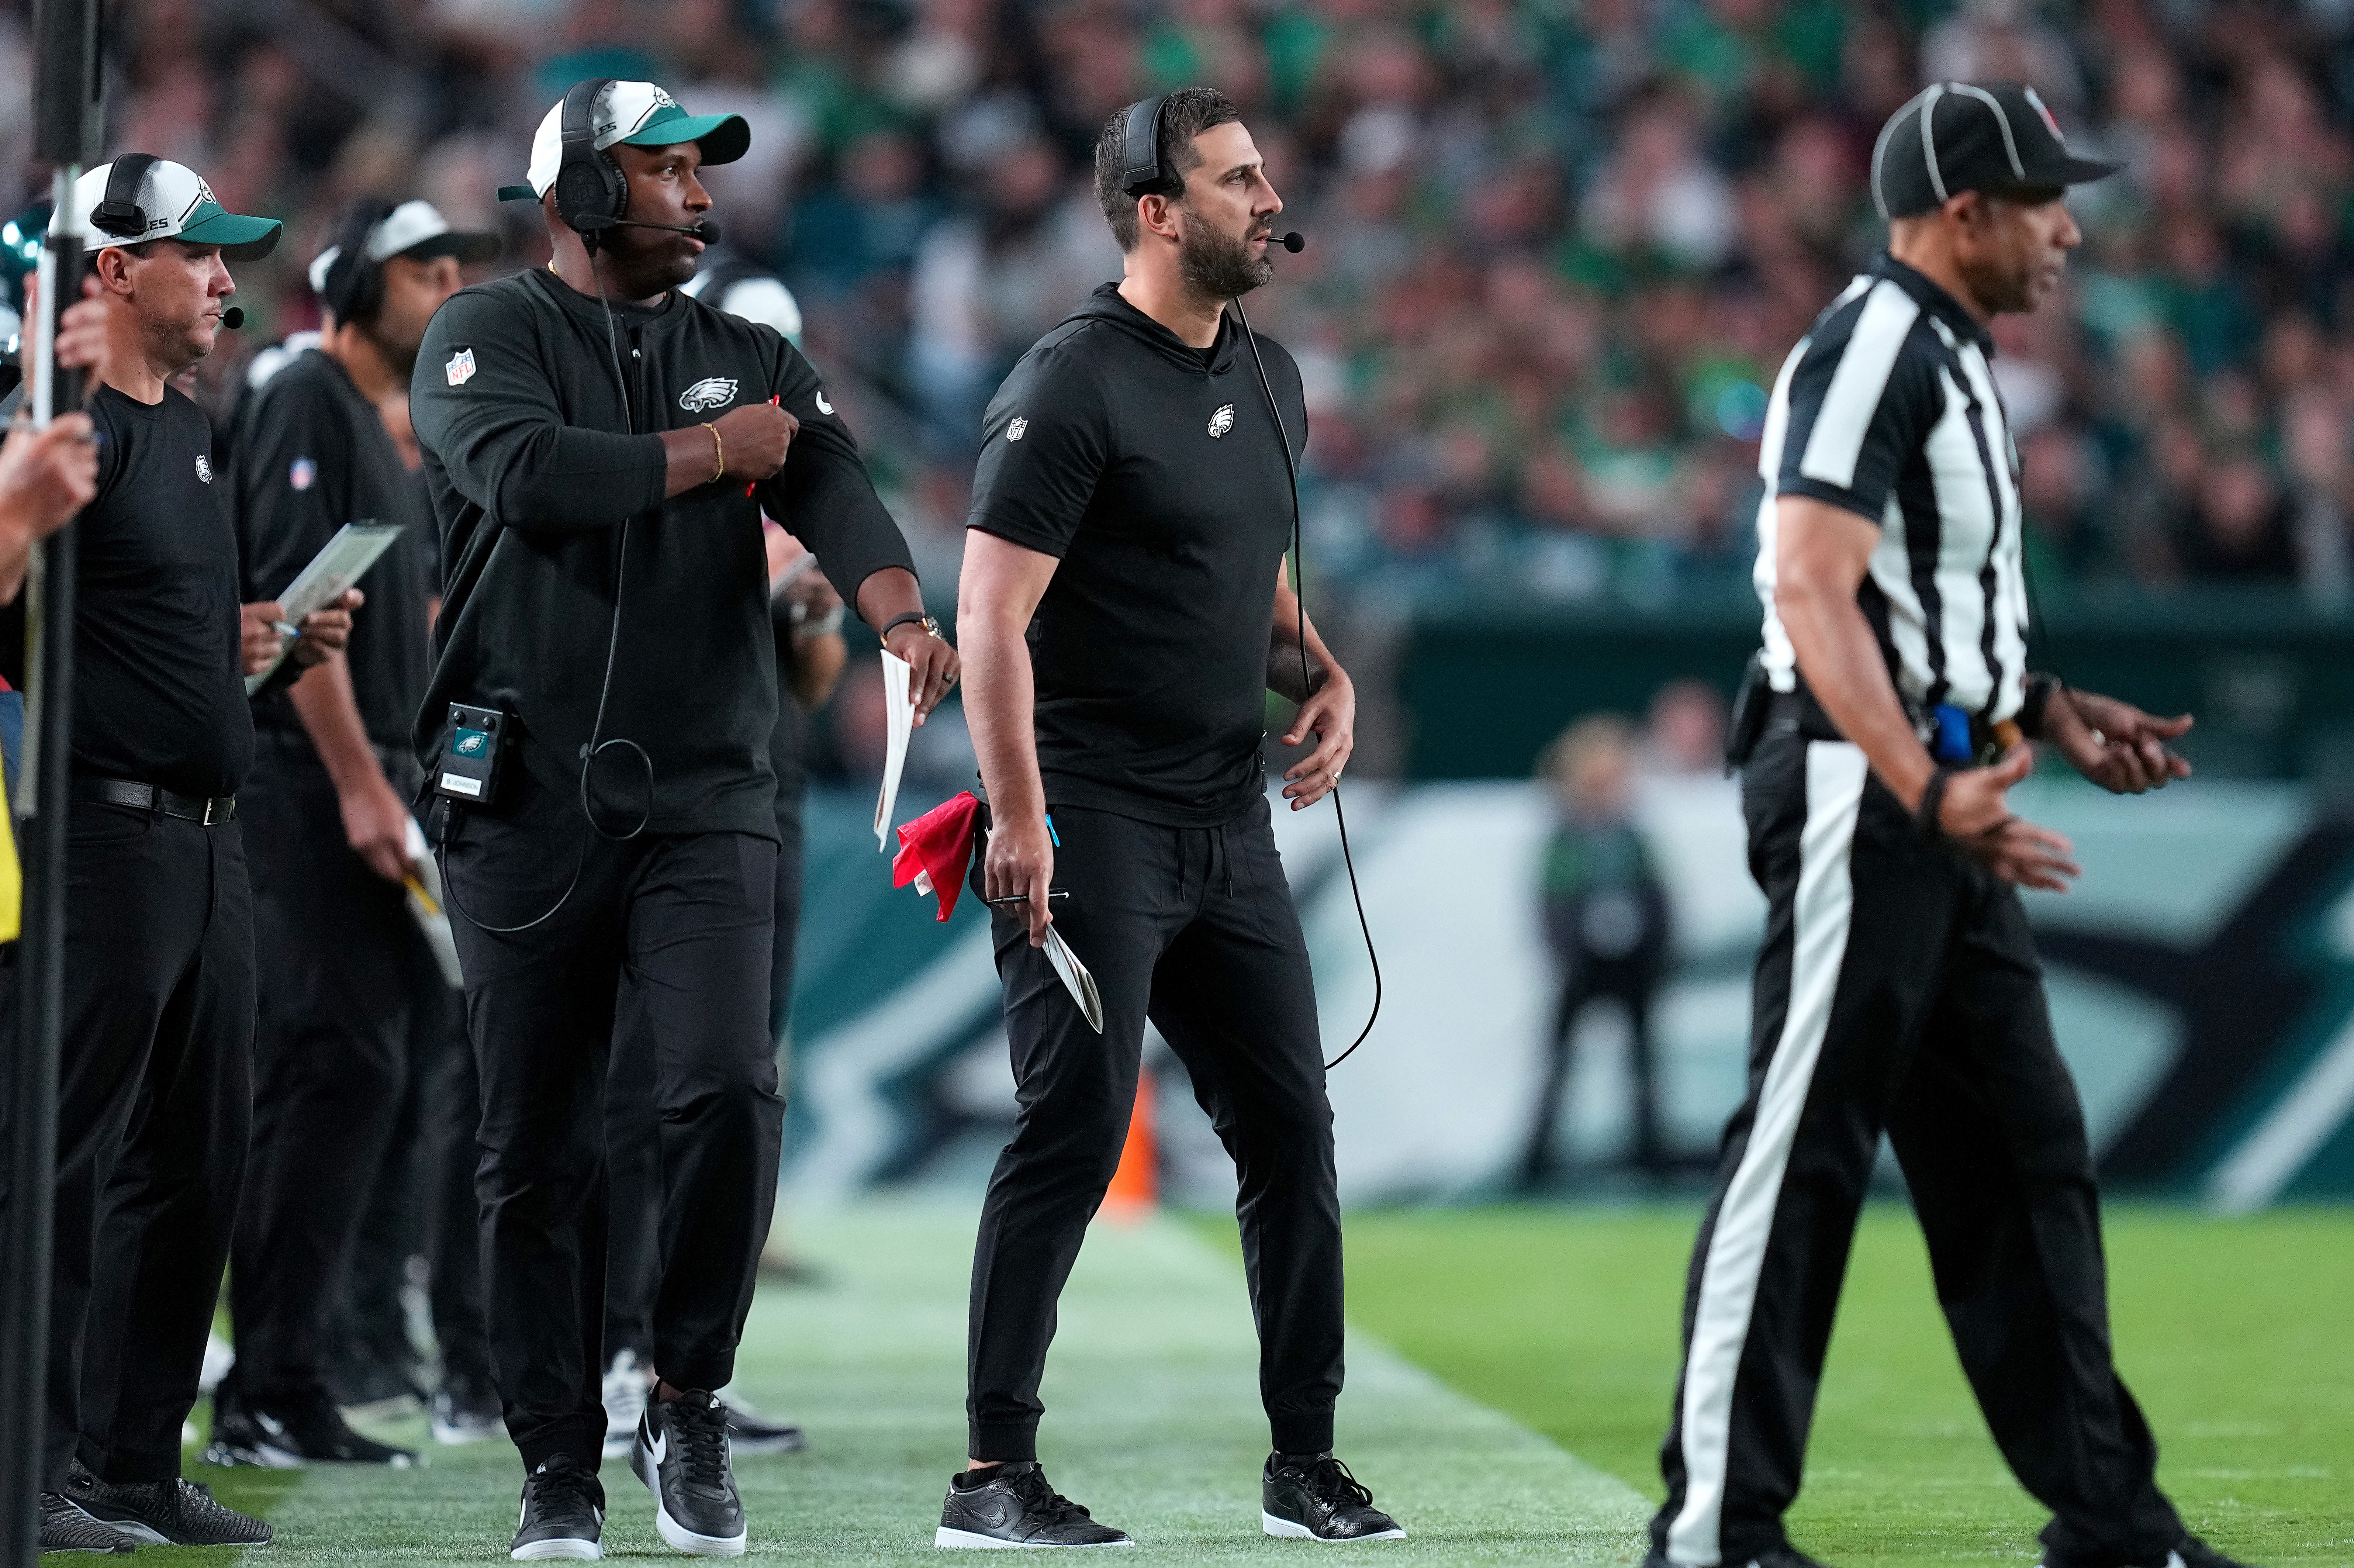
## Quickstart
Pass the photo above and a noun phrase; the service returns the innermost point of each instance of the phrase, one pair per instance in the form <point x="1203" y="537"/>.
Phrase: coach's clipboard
<point x="343" y="561"/>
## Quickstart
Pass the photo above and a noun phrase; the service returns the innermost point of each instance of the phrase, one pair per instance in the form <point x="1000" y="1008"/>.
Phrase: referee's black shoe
<point x="562" y="1513"/>
<point x="1313" y="1497"/>
<point x="1782" y="1556"/>
<point x="66" y="1528"/>
<point x="2189" y="1552"/>
<point x="1011" y="1505"/>
<point x="304" y="1432"/>
<point x="681" y="1454"/>
<point x="177" y="1512"/>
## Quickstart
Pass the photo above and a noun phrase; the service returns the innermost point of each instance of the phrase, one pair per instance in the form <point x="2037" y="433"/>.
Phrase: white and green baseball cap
<point x="171" y="203"/>
<point x="642" y="115"/>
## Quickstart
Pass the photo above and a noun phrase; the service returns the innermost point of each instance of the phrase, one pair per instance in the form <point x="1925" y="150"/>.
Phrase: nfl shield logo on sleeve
<point x="303" y="472"/>
<point x="1014" y="431"/>
<point x="461" y="367"/>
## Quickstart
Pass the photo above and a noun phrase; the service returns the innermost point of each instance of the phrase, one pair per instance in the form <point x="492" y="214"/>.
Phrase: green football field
<point x="1506" y="1381"/>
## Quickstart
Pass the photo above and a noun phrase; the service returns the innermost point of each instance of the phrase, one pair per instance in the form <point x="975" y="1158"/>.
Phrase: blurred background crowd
<point x="1558" y="247"/>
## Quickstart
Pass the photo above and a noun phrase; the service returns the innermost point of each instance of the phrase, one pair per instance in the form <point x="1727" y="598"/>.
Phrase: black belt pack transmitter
<point x="468" y="768"/>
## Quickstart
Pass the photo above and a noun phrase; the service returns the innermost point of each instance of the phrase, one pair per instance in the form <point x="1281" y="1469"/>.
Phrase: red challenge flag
<point x="936" y="849"/>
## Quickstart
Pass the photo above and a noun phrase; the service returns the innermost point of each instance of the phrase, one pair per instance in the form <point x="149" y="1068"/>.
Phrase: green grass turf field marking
<point x="1152" y="1420"/>
<point x="2235" y="1335"/>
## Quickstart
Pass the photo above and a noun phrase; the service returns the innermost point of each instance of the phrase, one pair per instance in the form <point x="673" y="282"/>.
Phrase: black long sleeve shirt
<point x="536" y="462"/>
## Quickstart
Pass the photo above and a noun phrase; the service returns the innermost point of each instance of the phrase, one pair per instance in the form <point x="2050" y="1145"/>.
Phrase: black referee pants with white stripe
<point x="1898" y="992"/>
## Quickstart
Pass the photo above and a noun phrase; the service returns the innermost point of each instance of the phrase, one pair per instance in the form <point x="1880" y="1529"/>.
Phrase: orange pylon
<point x="1135" y="1188"/>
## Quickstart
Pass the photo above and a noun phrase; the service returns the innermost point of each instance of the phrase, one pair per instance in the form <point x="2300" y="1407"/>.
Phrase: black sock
<point x="978" y="1475"/>
<point x="1300" y="1461"/>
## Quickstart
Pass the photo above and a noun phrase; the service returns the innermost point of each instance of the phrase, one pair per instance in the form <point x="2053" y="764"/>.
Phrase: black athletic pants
<point x="1588" y="979"/>
<point x="153" y="1092"/>
<point x="633" y="1135"/>
<point x="686" y="919"/>
<point x="1898" y="990"/>
<point x="346" y="981"/>
<point x="1194" y="929"/>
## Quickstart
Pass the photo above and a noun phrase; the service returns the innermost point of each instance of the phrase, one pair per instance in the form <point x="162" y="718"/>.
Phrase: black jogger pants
<point x="1898" y="990"/>
<point x="1193" y="928"/>
<point x="686" y="918"/>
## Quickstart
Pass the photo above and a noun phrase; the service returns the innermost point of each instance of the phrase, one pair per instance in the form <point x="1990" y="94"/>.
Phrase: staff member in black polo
<point x="600" y="448"/>
<point x="1124" y="608"/>
<point x="348" y="988"/>
<point x="1897" y="989"/>
<point x="154" y="1075"/>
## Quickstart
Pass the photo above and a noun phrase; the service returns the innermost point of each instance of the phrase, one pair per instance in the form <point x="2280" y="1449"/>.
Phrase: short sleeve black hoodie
<point x="536" y="461"/>
<point x="1153" y="471"/>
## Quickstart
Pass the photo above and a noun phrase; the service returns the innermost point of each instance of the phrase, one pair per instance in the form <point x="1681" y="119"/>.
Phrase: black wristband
<point x="2041" y="690"/>
<point x="1932" y="799"/>
<point x="902" y="619"/>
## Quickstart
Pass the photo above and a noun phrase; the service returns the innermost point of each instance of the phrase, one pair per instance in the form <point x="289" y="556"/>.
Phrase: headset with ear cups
<point x="1140" y="171"/>
<point x="588" y="182"/>
<point x="120" y="214"/>
<point x="354" y="287"/>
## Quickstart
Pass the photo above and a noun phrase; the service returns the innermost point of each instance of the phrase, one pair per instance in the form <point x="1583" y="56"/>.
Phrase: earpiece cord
<point x="1299" y="603"/>
<point x="590" y="753"/>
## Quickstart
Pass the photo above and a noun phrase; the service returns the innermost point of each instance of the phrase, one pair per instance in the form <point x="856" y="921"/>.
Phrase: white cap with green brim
<point x="415" y="229"/>
<point x="642" y="115"/>
<point x="173" y="203"/>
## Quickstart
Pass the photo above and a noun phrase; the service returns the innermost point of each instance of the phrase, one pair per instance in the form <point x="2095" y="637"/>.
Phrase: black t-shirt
<point x="312" y="454"/>
<point x="536" y="462"/>
<point x="159" y="686"/>
<point x="1154" y="472"/>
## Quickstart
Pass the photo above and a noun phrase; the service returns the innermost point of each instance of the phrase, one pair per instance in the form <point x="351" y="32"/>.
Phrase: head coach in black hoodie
<point x="1124" y="607"/>
<point x="599" y="480"/>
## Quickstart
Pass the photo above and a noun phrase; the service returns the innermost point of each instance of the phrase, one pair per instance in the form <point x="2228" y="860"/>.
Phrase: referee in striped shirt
<point x="1897" y="990"/>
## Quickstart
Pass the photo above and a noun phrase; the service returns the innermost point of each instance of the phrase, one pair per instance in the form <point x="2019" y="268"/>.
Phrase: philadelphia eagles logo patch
<point x="711" y="392"/>
<point x="1222" y="421"/>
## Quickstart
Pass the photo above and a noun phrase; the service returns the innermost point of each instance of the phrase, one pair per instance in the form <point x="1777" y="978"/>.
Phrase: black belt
<point x="1796" y="713"/>
<point x="151" y="799"/>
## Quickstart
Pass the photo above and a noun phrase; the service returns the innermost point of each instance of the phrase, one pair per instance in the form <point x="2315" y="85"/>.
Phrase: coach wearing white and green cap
<point x="600" y="448"/>
<point x="153" y="1079"/>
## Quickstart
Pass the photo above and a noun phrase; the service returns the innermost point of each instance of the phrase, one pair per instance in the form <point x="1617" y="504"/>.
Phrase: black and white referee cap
<point x="1957" y="136"/>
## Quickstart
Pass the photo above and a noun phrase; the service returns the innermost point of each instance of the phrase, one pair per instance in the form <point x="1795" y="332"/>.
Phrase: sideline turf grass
<point x="2237" y="1337"/>
<point x="1152" y="1420"/>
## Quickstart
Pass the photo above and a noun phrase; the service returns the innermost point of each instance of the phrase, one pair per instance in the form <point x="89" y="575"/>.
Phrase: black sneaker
<point x="1011" y="1505"/>
<point x="466" y="1410"/>
<point x="176" y="1512"/>
<point x="749" y="1432"/>
<point x="1314" y="1498"/>
<point x="66" y="1528"/>
<point x="310" y="1432"/>
<point x="562" y="1513"/>
<point x="681" y="1454"/>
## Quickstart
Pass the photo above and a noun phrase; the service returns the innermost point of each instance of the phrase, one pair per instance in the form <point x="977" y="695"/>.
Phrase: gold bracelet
<point x="718" y="455"/>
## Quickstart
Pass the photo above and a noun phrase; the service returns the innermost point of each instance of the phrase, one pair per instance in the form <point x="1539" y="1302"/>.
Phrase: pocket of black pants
<point x="94" y="825"/>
